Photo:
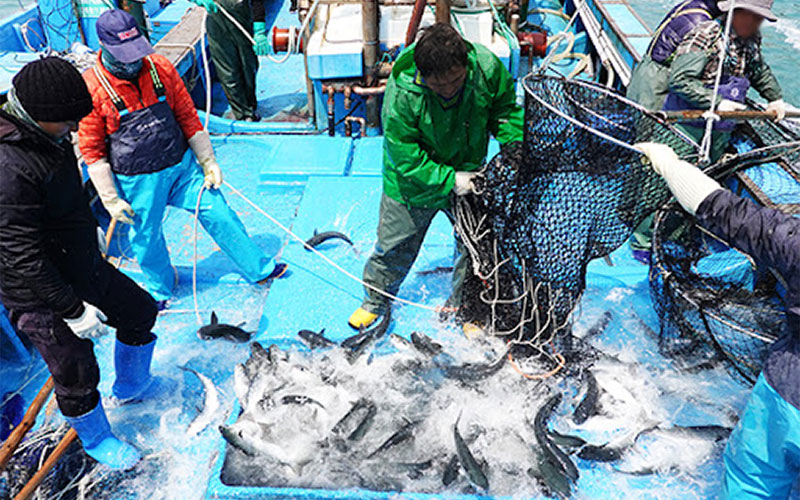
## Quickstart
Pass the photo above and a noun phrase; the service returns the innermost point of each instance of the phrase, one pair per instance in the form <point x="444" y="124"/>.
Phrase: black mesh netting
<point x="713" y="301"/>
<point x="570" y="193"/>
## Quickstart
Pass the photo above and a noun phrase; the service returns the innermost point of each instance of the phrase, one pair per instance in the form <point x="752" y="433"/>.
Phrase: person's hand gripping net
<point x="464" y="184"/>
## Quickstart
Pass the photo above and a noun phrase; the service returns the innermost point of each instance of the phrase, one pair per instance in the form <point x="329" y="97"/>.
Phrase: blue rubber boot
<point x="132" y="366"/>
<point x="99" y="443"/>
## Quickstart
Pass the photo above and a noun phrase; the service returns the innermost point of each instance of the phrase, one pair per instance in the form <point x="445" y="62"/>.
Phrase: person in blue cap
<point x="146" y="149"/>
<point x="59" y="291"/>
<point x="762" y="458"/>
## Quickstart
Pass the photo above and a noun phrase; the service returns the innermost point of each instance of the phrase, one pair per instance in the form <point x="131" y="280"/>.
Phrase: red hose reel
<point x="532" y="43"/>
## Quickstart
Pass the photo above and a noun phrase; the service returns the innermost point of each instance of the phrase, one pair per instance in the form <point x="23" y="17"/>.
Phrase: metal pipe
<point x="312" y="111"/>
<point x="514" y="23"/>
<point x="331" y="110"/>
<point x="354" y="88"/>
<point x="348" y="97"/>
<point x="368" y="91"/>
<point x="413" y="23"/>
<point x="349" y="127"/>
<point x="443" y="11"/>
<point x="369" y="22"/>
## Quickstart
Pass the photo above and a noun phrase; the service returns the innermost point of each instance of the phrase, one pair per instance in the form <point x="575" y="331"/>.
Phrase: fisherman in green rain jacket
<point x="444" y="98"/>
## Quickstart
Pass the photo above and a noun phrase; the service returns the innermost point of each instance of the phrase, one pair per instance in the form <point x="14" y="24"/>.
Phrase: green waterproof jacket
<point x="696" y="63"/>
<point x="425" y="143"/>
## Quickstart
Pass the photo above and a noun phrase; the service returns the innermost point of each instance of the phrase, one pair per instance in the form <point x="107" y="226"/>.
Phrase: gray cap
<point x="760" y="7"/>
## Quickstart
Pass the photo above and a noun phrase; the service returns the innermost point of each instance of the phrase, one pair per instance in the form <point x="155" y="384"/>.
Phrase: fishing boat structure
<point x="314" y="164"/>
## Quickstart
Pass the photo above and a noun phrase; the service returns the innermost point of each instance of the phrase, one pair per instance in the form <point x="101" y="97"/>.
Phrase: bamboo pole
<point x="15" y="438"/>
<point x="109" y="234"/>
<point x="30" y="418"/>
<point x="28" y="490"/>
<point x="697" y="114"/>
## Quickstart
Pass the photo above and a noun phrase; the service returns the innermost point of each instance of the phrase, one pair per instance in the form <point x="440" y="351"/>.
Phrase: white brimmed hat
<point x="761" y="7"/>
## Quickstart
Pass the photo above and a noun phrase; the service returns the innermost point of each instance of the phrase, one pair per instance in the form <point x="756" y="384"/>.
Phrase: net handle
<point x="527" y="78"/>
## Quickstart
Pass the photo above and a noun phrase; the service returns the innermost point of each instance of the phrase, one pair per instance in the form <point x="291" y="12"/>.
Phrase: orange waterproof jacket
<point x="104" y="118"/>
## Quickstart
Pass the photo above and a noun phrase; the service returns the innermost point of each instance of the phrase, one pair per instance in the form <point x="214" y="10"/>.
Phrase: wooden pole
<point x="109" y="234"/>
<point x="697" y="114"/>
<point x="413" y="23"/>
<point x="15" y="438"/>
<point x="13" y="441"/>
<point x="443" y="11"/>
<point x="28" y="490"/>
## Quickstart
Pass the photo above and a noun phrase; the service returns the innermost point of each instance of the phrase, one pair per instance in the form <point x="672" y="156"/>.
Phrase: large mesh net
<point x="713" y="301"/>
<point x="572" y="192"/>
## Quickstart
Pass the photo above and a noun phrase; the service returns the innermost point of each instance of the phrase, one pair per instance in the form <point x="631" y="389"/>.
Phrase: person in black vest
<point x="59" y="290"/>
<point x="650" y="80"/>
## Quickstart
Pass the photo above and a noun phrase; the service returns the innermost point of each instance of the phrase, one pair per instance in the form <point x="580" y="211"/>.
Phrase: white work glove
<point x="103" y="180"/>
<point x="463" y="185"/>
<point x="726" y="105"/>
<point x="88" y="325"/>
<point x="204" y="152"/>
<point x="688" y="183"/>
<point x="779" y="107"/>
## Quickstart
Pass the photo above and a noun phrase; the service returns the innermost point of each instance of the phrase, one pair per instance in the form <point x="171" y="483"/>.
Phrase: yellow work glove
<point x="204" y="152"/>
<point x="103" y="180"/>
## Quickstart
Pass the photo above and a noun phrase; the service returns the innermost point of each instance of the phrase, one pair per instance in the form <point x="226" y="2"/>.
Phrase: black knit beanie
<point x="52" y="90"/>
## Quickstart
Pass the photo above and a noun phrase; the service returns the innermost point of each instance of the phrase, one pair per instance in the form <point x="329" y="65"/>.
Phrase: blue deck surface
<point x="320" y="183"/>
<point x="315" y="296"/>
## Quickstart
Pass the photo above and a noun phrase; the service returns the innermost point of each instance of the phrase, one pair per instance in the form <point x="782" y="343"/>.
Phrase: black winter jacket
<point x="48" y="236"/>
<point x="772" y="238"/>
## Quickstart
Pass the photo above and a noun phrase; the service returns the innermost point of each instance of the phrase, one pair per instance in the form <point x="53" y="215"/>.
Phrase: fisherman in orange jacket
<point x="143" y="142"/>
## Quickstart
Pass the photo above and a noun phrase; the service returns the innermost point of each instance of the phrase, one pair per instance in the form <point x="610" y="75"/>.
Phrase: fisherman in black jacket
<point x="58" y="289"/>
<point x="762" y="459"/>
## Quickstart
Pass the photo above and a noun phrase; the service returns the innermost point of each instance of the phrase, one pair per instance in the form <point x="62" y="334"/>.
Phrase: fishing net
<point x="713" y="301"/>
<point x="63" y="482"/>
<point x="573" y="191"/>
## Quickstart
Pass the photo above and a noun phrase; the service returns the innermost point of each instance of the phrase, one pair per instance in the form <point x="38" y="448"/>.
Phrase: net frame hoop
<point x="609" y="93"/>
<point x="750" y="159"/>
<point x="676" y="288"/>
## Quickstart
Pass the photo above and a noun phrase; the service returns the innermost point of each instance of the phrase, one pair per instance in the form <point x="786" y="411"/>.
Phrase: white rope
<point x="562" y="35"/>
<point x="324" y="257"/>
<point x="293" y="46"/>
<point x="705" y="145"/>
<point x="575" y="121"/>
<point x="206" y="70"/>
<point x="194" y="260"/>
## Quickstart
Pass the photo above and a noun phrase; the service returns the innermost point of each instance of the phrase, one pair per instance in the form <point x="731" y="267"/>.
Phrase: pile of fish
<point x="405" y="415"/>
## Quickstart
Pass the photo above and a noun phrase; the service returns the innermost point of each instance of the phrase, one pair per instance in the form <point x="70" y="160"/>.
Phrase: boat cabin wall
<point x="22" y="32"/>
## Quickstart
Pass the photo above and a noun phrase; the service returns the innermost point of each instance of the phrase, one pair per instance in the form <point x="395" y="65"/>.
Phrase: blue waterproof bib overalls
<point x="154" y="168"/>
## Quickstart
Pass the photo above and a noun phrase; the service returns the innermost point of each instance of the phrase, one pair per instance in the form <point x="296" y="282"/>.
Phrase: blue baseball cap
<point x="120" y="36"/>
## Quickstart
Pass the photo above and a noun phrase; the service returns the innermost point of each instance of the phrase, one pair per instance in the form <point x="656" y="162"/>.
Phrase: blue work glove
<point x="209" y="5"/>
<point x="260" y="36"/>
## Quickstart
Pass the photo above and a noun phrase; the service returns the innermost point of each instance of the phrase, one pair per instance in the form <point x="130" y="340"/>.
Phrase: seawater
<point x="781" y="39"/>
